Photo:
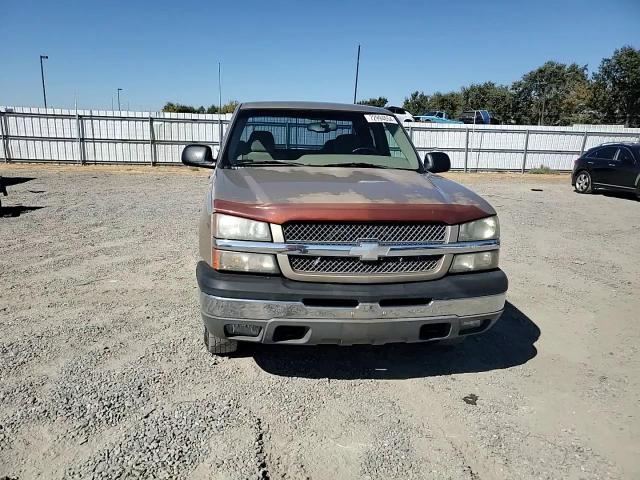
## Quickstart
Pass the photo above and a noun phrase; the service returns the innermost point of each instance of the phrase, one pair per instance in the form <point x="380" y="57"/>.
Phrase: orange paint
<point x="354" y="212"/>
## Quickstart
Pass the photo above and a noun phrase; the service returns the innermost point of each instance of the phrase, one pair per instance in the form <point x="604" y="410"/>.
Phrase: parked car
<point x="402" y="114"/>
<point x="436" y="116"/>
<point x="478" y="117"/>
<point x="611" y="166"/>
<point x="343" y="236"/>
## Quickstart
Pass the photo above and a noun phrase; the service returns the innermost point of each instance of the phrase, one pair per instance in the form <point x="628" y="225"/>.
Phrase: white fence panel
<point x="99" y="136"/>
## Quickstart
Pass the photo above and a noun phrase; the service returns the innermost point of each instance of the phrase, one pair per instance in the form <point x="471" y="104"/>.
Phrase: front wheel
<point x="219" y="346"/>
<point x="583" y="182"/>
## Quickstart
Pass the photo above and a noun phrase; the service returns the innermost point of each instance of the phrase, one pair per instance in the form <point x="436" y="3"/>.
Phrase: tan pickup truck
<point x="322" y="224"/>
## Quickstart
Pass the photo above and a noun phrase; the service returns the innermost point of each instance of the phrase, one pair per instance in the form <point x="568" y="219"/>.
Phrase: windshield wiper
<point x="353" y="165"/>
<point x="267" y="163"/>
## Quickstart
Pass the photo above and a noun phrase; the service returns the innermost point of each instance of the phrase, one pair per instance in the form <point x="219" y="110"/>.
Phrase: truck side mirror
<point x="437" y="162"/>
<point x="200" y="156"/>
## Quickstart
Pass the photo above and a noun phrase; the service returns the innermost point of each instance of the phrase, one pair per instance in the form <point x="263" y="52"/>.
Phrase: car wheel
<point x="219" y="346"/>
<point x="583" y="182"/>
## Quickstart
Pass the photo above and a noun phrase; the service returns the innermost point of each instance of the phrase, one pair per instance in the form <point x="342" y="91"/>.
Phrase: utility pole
<point x="44" y="90"/>
<point x="119" y="90"/>
<point x="355" y="90"/>
<point x="219" y="108"/>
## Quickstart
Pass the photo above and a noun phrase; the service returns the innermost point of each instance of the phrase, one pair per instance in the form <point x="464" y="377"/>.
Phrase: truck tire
<point x="219" y="346"/>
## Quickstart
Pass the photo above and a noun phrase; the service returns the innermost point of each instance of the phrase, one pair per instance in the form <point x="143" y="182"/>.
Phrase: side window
<point x="625" y="156"/>
<point x="607" y="153"/>
<point x="393" y="109"/>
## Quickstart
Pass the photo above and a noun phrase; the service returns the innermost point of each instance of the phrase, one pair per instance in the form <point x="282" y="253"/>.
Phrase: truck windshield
<point x="318" y="138"/>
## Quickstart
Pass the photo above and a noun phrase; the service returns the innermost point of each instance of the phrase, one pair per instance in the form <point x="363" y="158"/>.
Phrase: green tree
<point x="498" y="99"/>
<point x="617" y="87"/>
<point x="179" y="108"/>
<point x="375" y="102"/>
<point x="541" y="95"/>
<point x="450" y="102"/>
<point x="229" y="107"/>
<point x="416" y="103"/>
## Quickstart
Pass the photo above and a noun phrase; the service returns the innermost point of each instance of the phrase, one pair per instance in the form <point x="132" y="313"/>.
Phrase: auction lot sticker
<point x="379" y="118"/>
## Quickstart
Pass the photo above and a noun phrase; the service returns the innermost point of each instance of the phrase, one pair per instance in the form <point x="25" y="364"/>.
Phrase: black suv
<point x="611" y="166"/>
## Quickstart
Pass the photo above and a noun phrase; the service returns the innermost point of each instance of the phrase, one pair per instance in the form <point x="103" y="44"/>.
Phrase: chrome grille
<point x="352" y="233"/>
<point x="355" y="266"/>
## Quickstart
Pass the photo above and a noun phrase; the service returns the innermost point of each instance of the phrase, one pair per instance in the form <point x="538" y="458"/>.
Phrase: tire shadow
<point x="508" y="344"/>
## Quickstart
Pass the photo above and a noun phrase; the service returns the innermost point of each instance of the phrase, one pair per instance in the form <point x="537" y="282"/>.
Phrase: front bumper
<point x="310" y="313"/>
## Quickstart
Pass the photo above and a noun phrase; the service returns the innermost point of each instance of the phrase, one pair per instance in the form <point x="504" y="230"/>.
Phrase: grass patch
<point x="542" y="169"/>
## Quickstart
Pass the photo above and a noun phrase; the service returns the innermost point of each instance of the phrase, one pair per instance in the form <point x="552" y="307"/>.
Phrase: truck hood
<point x="281" y="194"/>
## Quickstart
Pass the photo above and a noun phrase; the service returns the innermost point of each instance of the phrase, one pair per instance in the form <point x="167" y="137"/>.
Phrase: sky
<point x="159" y="51"/>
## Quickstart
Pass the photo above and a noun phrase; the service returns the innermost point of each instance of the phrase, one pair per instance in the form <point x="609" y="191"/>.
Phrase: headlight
<point x="237" y="228"/>
<point x="244" y="262"/>
<point x="467" y="262"/>
<point x="483" y="229"/>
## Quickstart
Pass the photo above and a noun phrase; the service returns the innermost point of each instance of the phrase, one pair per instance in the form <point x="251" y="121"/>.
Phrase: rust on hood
<point x="281" y="194"/>
<point x="280" y="213"/>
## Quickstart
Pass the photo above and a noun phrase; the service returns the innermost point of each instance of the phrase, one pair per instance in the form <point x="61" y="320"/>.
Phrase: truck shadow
<point x="10" y="181"/>
<point x="16" y="211"/>
<point x="509" y="343"/>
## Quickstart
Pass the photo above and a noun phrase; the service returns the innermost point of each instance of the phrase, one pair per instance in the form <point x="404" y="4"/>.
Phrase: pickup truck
<point x="322" y="224"/>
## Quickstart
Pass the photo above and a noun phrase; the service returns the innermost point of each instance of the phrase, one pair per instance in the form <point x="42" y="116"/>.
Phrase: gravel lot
<point x="103" y="373"/>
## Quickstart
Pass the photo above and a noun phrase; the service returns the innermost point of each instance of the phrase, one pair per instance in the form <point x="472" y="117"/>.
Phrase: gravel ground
<point x="103" y="373"/>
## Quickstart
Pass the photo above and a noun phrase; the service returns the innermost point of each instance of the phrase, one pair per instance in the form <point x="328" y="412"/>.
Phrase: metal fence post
<point x="584" y="143"/>
<point x="411" y="134"/>
<point x="466" y="150"/>
<point x="4" y="146"/>
<point x="152" y="144"/>
<point x="6" y="137"/>
<point x="80" y="137"/>
<point x="524" y="153"/>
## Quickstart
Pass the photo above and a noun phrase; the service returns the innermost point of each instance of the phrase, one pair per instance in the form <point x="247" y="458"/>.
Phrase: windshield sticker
<point x="378" y="118"/>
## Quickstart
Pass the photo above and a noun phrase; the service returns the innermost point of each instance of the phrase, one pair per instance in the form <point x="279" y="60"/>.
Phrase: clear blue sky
<point x="299" y="50"/>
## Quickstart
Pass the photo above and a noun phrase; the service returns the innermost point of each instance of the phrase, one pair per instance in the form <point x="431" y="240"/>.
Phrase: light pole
<point x="44" y="90"/>
<point x="355" y="90"/>
<point x="119" y="90"/>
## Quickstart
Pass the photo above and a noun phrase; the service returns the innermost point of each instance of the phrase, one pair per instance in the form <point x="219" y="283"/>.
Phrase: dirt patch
<point x="103" y="372"/>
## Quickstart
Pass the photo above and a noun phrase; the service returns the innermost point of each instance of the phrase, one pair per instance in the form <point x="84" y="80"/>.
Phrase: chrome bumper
<point x="368" y="323"/>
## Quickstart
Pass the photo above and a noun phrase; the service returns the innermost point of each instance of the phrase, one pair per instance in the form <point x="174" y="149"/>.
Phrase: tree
<point x="229" y="107"/>
<point x="617" y="86"/>
<point x="498" y="99"/>
<point x="180" y="108"/>
<point x="540" y="96"/>
<point x="418" y="103"/>
<point x="375" y="102"/>
<point x="450" y="102"/>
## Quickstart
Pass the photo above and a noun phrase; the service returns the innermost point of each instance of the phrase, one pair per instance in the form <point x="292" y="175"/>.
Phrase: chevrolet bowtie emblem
<point x="369" y="251"/>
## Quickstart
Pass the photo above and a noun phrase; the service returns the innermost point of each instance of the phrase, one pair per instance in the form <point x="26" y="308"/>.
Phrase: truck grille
<point x="352" y="233"/>
<point x="355" y="266"/>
